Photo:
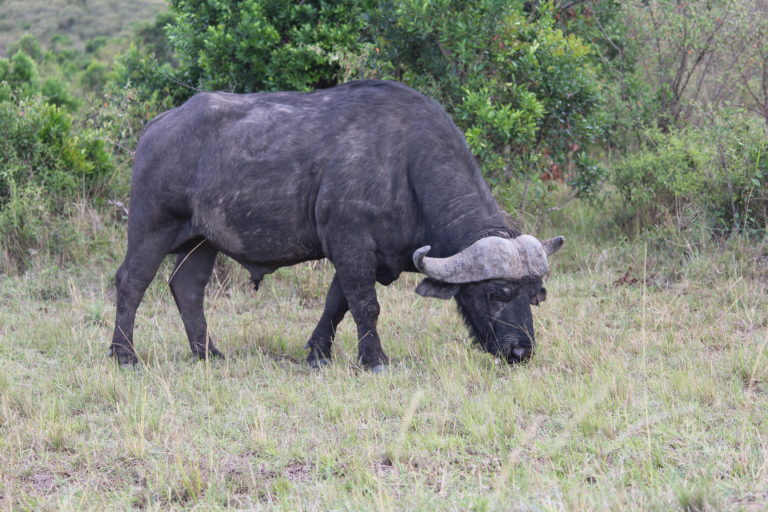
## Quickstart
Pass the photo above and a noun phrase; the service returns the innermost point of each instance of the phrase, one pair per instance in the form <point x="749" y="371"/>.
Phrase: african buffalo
<point x="372" y="175"/>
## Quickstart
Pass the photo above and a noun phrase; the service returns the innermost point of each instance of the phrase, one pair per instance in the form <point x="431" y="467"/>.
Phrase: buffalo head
<point x="494" y="281"/>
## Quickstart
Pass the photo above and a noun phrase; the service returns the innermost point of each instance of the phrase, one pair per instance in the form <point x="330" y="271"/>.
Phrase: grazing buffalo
<point x="371" y="175"/>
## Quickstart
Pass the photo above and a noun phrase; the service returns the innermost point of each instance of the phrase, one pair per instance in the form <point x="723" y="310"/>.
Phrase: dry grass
<point x="644" y="395"/>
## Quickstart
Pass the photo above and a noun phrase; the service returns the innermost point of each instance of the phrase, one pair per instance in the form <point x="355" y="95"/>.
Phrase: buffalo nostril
<point x="522" y="354"/>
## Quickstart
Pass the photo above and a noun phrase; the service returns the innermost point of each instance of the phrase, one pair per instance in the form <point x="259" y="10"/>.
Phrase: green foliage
<point x="96" y="44"/>
<point x="94" y="77"/>
<point x="46" y="161"/>
<point x="54" y="74"/>
<point x="56" y="92"/>
<point x="59" y="42"/>
<point x="155" y="82"/>
<point x="255" y="45"/>
<point x="629" y="102"/>
<point x="152" y="37"/>
<point x="20" y="78"/>
<point x="5" y="69"/>
<point x="6" y="93"/>
<point x="22" y="73"/>
<point x="525" y="93"/>
<point x="720" y="169"/>
<point x="41" y="146"/>
<point x="27" y="44"/>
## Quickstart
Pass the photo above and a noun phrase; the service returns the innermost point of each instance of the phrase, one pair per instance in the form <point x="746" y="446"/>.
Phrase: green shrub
<point x="45" y="163"/>
<point x="629" y="102"/>
<point x="56" y="92"/>
<point x="29" y="45"/>
<point x="256" y="45"/>
<point x="720" y="169"/>
<point x="155" y="82"/>
<point x="22" y="74"/>
<point x="94" y="77"/>
<point x="24" y="218"/>
<point x="525" y="93"/>
<point x="6" y="93"/>
<point x="96" y="44"/>
<point x="42" y="146"/>
<point x="153" y="39"/>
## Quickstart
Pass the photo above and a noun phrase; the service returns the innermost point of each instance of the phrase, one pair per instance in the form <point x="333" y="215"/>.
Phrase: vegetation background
<point x="637" y="129"/>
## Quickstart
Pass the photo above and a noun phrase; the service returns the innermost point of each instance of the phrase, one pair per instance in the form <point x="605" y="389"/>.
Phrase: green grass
<point x="640" y="397"/>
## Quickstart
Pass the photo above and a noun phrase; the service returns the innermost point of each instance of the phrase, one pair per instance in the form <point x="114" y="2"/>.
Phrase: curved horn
<point x="488" y="258"/>
<point x="553" y="245"/>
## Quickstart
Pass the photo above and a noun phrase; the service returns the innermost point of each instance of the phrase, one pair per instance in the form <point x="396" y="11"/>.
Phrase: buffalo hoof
<point x="124" y="356"/>
<point x="375" y="364"/>
<point x="318" y="362"/>
<point x="211" y="353"/>
<point x="319" y="354"/>
<point x="379" y="368"/>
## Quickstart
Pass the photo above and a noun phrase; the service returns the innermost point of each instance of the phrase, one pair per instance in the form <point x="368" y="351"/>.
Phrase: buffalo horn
<point x="490" y="258"/>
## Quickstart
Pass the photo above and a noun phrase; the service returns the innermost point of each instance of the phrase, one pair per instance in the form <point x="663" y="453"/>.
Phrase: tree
<point x="752" y="62"/>
<point x="682" y="48"/>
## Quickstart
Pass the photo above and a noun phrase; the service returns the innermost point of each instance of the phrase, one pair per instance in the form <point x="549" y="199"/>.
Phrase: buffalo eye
<point x="539" y="297"/>
<point x="503" y="294"/>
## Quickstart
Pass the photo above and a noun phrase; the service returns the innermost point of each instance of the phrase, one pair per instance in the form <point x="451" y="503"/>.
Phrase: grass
<point x="649" y="391"/>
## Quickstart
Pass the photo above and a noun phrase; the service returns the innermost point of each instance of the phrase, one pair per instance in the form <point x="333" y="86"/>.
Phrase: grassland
<point x="80" y="20"/>
<point x="649" y="391"/>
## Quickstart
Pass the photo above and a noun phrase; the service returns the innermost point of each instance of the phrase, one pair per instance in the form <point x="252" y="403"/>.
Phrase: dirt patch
<point x="751" y="502"/>
<point x="298" y="471"/>
<point x="43" y="482"/>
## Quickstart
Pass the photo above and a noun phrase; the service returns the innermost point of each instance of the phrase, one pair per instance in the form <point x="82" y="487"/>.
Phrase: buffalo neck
<point x="458" y="209"/>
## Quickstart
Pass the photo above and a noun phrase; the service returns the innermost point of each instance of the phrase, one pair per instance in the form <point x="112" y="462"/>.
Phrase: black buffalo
<point x="371" y="175"/>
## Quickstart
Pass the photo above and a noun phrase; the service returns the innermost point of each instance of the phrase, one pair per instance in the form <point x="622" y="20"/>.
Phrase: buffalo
<point x="372" y="175"/>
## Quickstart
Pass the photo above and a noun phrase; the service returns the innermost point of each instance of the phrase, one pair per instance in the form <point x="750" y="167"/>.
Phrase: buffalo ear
<point x="431" y="288"/>
<point x="539" y="297"/>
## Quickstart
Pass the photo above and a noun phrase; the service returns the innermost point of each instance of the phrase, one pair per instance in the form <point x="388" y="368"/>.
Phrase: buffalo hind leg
<point x="359" y="286"/>
<point x="320" y="342"/>
<point x="132" y="279"/>
<point x="188" y="280"/>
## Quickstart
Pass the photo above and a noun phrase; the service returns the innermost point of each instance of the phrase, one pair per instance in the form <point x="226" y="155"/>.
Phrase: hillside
<point x="80" y="20"/>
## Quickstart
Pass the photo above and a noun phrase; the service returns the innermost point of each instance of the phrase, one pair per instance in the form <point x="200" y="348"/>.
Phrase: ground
<point x="648" y="391"/>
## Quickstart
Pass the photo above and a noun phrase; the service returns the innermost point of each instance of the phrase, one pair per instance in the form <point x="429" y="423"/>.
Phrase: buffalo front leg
<point x="359" y="287"/>
<point x="132" y="279"/>
<point x="188" y="280"/>
<point x="320" y="342"/>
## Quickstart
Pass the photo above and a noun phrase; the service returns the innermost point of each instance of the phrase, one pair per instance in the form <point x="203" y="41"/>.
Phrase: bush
<point x="94" y="77"/>
<point x="40" y="146"/>
<point x="525" y="93"/>
<point x="29" y="45"/>
<point x="57" y="93"/>
<point x="19" y="77"/>
<point x="720" y="169"/>
<point x="45" y="163"/>
<point x="21" y="74"/>
<point x="258" y="45"/>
